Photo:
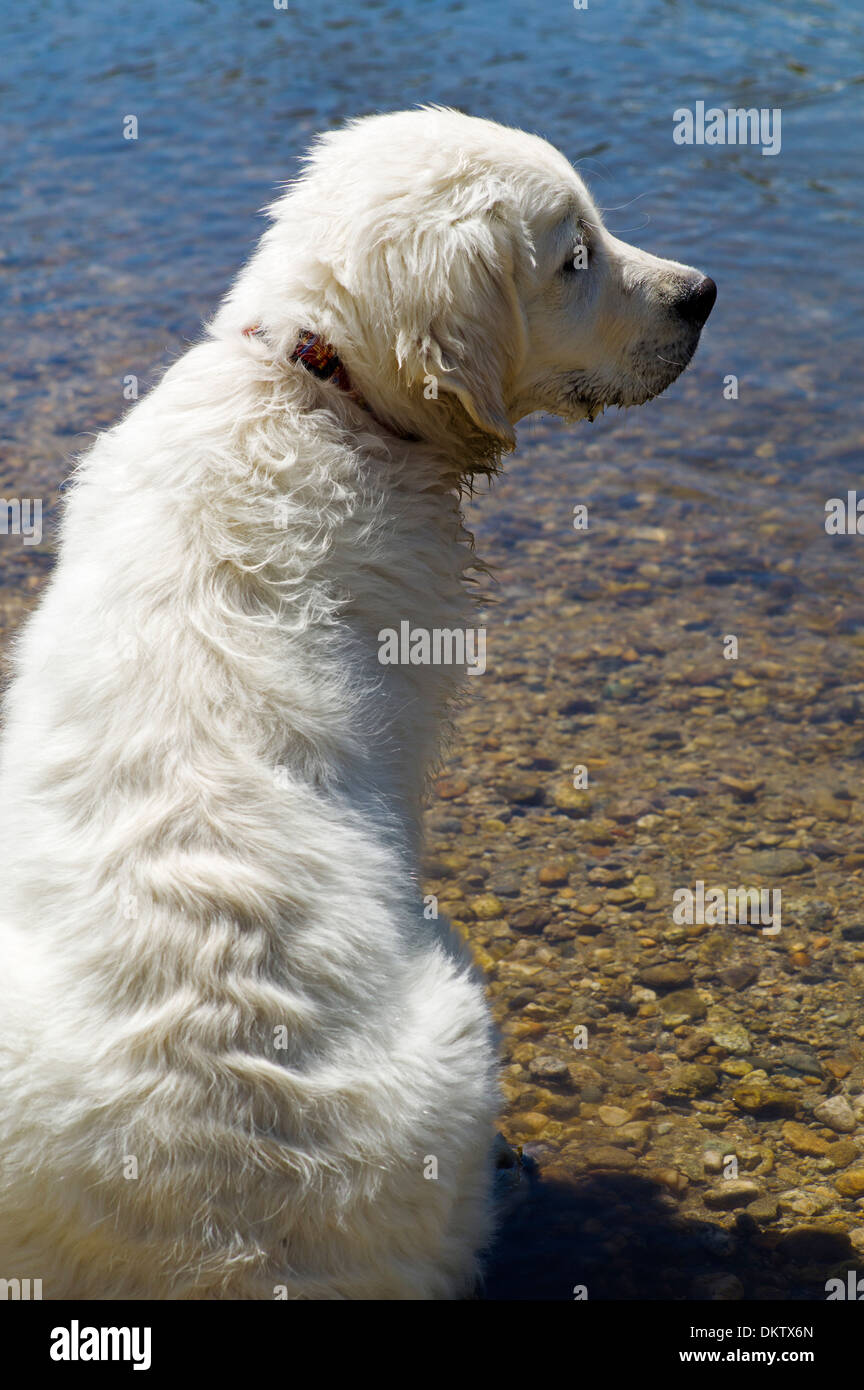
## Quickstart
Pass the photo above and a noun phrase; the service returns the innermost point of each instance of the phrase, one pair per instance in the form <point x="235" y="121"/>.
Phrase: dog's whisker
<point x="577" y="163"/>
<point x="618" y="231"/>
<point x="618" y="207"/>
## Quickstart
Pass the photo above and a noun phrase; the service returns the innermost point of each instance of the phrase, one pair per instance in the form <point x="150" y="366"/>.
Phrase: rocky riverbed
<point x="704" y="1042"/>
<point x="688" y="1098"/>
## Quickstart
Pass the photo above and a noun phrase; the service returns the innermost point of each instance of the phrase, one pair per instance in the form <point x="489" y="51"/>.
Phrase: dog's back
<point x="237" y="1060"/>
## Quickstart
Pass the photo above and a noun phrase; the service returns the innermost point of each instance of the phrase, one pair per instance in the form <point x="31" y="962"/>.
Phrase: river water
<point x="605" y="647"/>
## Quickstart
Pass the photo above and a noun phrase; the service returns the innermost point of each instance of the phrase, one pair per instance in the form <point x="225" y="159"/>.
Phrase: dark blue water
<point x="115" y="250"/>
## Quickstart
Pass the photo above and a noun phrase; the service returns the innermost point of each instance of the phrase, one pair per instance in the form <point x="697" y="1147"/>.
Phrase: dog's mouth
<point x="650" y="371"/>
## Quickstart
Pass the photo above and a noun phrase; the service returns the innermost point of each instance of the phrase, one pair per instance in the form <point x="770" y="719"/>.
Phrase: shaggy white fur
<point x="231" y="1042"/>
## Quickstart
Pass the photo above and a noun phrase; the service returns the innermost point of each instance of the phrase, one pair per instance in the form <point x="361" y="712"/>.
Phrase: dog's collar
<point x="322" y="360"/>
<point x="319" y="358"/>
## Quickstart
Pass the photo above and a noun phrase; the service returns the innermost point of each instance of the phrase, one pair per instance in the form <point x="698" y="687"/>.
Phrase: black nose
<point x="695" y="306"/>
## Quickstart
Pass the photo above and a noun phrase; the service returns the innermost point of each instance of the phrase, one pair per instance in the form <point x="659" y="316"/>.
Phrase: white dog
<point x="236" y="1060"/>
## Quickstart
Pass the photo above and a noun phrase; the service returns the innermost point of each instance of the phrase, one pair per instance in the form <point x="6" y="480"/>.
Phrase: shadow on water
<point x="617" y="1235"/>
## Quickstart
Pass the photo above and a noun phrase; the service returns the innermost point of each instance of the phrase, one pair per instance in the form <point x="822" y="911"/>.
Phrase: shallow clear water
<point x="707" y="515"/>
<point x="115" y="250"/>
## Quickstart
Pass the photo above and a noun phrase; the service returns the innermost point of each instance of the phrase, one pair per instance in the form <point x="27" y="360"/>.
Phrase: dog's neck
<point x="322" y="360"/>
<point x="446" y="427"/>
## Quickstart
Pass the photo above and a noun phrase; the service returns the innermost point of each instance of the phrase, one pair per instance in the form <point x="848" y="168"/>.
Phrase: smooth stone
<point x="448" y="788"/>
<point x="549" y="1068"/>
<point x="572" y="801"/>
<point x="844" y="1152"/>
<point x="531" y="1120"/>
<point x="553" y="874"/>
<point x="487" y="907"/>
<point x="764" y="1209"/>
<point x="734" y="1192"/>
<point x="644" y="887"/>
<point x="803" y="1141"/>
<point x="670" y="974"/>
<point x="775" y="863"/>
<point x="670" y="1178"/>
<point x="693" y="1079"/>
<point x="607" y="1156"/>
<point x="738" y="977"/>
<point x="523" y="792"/>
<point x="807" y="1063"/>
<point x="683" y="1006"/>
<point x="733" y="1037"/>
<point x="757" y="1099"/>
<point x="505" y="885"/>
<point x="612" y="1115"/>
<point x="620" y="895"/>
<point x="531" y="920"/>
<point x="837" y="1114"/>
<point x="565" y="929"/>
<point x="851" y="1183"/>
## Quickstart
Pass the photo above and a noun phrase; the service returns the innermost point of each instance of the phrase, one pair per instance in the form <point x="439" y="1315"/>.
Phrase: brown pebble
<point x="607" y="1156"/>
<point x="803" y="1141"/>
<point x="842" y="1153"/>
<point x="734" y="1192"/>
<point x="837" y="1069"/>
<point x="448" y="788"/>
<point x="531" y="1121"/>
<point x="532" y="919"/>
<point x="553" y="874"/>
<point x="671" y="1179"/>
<point x="764" y="1100"/>
<point x="851" y="1184"/>
<point x="487" y="907"/>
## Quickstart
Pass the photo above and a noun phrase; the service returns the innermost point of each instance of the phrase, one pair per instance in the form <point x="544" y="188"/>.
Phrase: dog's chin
<point x="650" y="373"/>
<point x="578" y="405"/>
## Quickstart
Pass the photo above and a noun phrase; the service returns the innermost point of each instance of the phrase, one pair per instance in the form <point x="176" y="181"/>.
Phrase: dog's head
<point x="462" y="267"/>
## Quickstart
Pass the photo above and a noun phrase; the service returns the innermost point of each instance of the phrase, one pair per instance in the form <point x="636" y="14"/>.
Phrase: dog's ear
<point x="461" y="328"/>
